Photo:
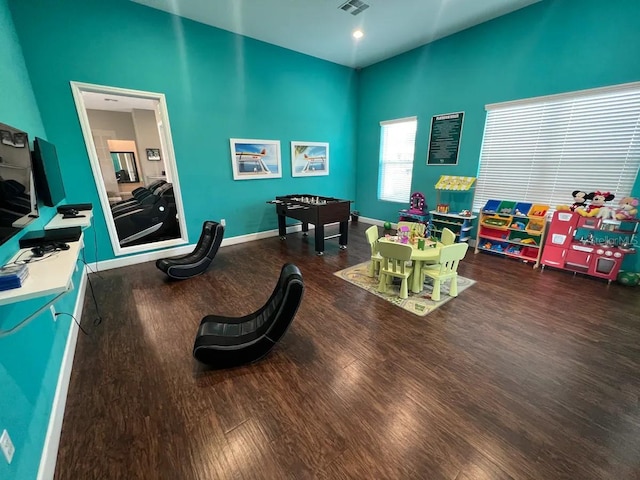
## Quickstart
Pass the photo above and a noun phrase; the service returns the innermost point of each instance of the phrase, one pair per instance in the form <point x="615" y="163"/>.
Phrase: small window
<point x="397" y="146"/>
<point x="542" y="149"/>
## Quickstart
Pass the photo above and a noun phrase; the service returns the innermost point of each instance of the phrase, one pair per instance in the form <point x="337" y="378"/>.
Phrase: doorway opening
<point x="128" y="140"/>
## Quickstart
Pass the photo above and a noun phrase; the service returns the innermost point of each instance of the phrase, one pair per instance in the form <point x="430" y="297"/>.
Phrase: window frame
<point x="385" y="164"/>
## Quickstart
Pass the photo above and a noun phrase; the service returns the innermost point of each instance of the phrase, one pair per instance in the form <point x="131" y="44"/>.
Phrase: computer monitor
<point x="46" y="171"/>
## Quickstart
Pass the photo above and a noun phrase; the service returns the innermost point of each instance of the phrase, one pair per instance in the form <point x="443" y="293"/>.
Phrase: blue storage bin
<point x="522" y="209"/>
<point x="491" y="206"/>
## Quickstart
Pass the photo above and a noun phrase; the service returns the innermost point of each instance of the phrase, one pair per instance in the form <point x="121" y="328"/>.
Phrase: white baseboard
<point x="139" y="258"/>
<point x="184" y="249"/>
<point x="374" y="221"/>
<point x="52" y="440"/>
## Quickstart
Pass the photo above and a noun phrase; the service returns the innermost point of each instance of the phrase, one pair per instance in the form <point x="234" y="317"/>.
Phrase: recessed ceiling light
<point x="357" y="34"/>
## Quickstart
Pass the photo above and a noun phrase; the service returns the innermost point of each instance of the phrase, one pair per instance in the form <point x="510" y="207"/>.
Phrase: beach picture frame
<point x="254" y="159"/>
<point x="309" y="159"/>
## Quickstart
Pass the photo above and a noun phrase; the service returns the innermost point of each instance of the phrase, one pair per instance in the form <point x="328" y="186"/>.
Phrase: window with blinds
<point x="397" y="146"/>
<point x="540" y="150"/>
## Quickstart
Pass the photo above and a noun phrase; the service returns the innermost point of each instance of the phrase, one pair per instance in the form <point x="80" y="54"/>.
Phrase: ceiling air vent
<point x="354" y="7"/>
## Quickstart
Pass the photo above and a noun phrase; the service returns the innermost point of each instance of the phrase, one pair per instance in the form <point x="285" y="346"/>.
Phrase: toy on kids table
<point x="627" y="209"/>
<point x="598" y="201"/>
<point x="387" y="225"/>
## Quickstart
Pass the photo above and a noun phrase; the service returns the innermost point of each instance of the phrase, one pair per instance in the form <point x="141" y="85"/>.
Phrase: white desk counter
<point x="59" y="222"/>
<point x="47" y="276"/>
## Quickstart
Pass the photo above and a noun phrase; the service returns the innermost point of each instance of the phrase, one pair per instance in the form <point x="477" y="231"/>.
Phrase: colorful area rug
<point x="417" y="303"/>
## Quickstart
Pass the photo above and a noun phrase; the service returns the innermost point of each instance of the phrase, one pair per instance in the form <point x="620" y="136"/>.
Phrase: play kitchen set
<point x="592" y="239"/>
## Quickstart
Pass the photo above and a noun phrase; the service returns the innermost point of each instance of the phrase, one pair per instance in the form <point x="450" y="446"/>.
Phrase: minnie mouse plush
<point x="598" y="200"/>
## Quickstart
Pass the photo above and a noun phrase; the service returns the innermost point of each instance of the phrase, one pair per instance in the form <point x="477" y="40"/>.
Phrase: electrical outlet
<point x="223" y="222"/>
<point x="53" y="312"/>
<point x="7" y="446"/>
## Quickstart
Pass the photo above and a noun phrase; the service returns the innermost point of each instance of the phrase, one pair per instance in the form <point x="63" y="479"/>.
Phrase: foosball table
<point x="316" y="210"/>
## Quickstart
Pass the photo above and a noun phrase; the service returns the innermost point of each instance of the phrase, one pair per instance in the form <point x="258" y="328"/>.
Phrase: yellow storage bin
<point x="535" y="225"/>
<point x="538" y="210"/>
<point x="496" y="221"/>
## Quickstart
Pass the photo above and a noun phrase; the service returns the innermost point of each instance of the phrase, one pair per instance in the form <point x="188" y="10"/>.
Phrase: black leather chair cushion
<point x="196" y="262"/>
<point x="228" y="341"/>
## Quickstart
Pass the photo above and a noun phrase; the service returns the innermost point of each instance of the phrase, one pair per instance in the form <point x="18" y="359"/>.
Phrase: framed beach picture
<point x="253" y="159"/>
<point x="309" y="159"/>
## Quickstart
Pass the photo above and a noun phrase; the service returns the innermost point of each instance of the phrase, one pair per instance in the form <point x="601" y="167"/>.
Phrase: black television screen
<point x="18" y="206"/>
<point x="46" y="171"/>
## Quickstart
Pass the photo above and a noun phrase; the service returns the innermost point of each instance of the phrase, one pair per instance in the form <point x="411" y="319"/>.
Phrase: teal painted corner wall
<point x="551" y="47"/>
<point x="218" y="86"/>
<point x="30" y="359"/>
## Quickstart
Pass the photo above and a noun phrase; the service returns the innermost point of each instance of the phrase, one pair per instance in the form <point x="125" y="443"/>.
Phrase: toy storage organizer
<point x="512" y="229"/>
<point x="588" y="245"/>
<point x="461" y="225"/>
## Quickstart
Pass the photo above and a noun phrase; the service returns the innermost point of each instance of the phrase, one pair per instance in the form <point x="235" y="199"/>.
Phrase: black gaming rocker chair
<point x="196" y="262"/>
<point x="229" y="341"/>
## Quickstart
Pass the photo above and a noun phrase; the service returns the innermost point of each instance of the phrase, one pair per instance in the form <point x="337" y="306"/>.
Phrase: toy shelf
<point x="513" y="229"/>
<point x="507" y="240"/>
<point x="458" y="224"/>
<point x="528" y="255"/>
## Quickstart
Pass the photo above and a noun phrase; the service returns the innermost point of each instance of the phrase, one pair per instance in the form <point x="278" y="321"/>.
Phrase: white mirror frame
<point x="166" y="141"/>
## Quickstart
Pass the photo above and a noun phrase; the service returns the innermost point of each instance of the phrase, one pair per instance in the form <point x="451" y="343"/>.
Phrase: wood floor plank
<point x="526" y="375"/>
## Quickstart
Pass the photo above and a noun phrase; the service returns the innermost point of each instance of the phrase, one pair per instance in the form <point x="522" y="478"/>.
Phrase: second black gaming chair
<point x="196" y="262"/>
<point x="229" y="341"/>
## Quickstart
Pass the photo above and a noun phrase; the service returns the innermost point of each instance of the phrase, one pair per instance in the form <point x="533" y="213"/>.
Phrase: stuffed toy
<point x="627" y="209"/>
<point x="579" y="202"/>
<point x="598" y="200"/>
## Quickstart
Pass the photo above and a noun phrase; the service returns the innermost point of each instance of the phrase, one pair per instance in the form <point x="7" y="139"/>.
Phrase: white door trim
<point x="77" y="89"/>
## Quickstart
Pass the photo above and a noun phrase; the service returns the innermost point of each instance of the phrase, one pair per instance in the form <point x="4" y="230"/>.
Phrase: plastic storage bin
<point x="496" y="221"/>
<point x="491" y="206"/>
<point x="506" y="207"/>
<point x="535" y="225"/>
<point x="522" y="209"/>
<point x="538" y="210"/>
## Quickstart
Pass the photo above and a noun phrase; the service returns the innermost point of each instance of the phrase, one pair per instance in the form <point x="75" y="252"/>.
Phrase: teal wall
<point x="218" y="86"/>
<point x="30" y="359"/>
<point x="551" y="47"/>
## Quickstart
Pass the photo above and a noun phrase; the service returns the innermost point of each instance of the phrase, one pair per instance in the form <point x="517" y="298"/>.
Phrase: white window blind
<point x="397" y="146"/>
<point x="542" y="149"/>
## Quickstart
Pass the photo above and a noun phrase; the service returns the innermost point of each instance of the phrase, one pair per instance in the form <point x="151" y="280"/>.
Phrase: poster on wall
<point x="253" y="159"/>
<point x="309" y="159"/>
<point x="444" y="139"/>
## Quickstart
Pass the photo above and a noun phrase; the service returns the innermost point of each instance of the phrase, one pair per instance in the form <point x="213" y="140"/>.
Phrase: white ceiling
<point x="321" y="29"/>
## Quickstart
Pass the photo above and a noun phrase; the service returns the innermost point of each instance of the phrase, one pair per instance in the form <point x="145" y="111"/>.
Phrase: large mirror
<point x="134" y="167"/>
<point x="124" y="165"/>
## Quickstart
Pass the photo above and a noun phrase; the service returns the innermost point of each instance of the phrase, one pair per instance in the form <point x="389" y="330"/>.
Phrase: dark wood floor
<point x="526" y="375"/>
